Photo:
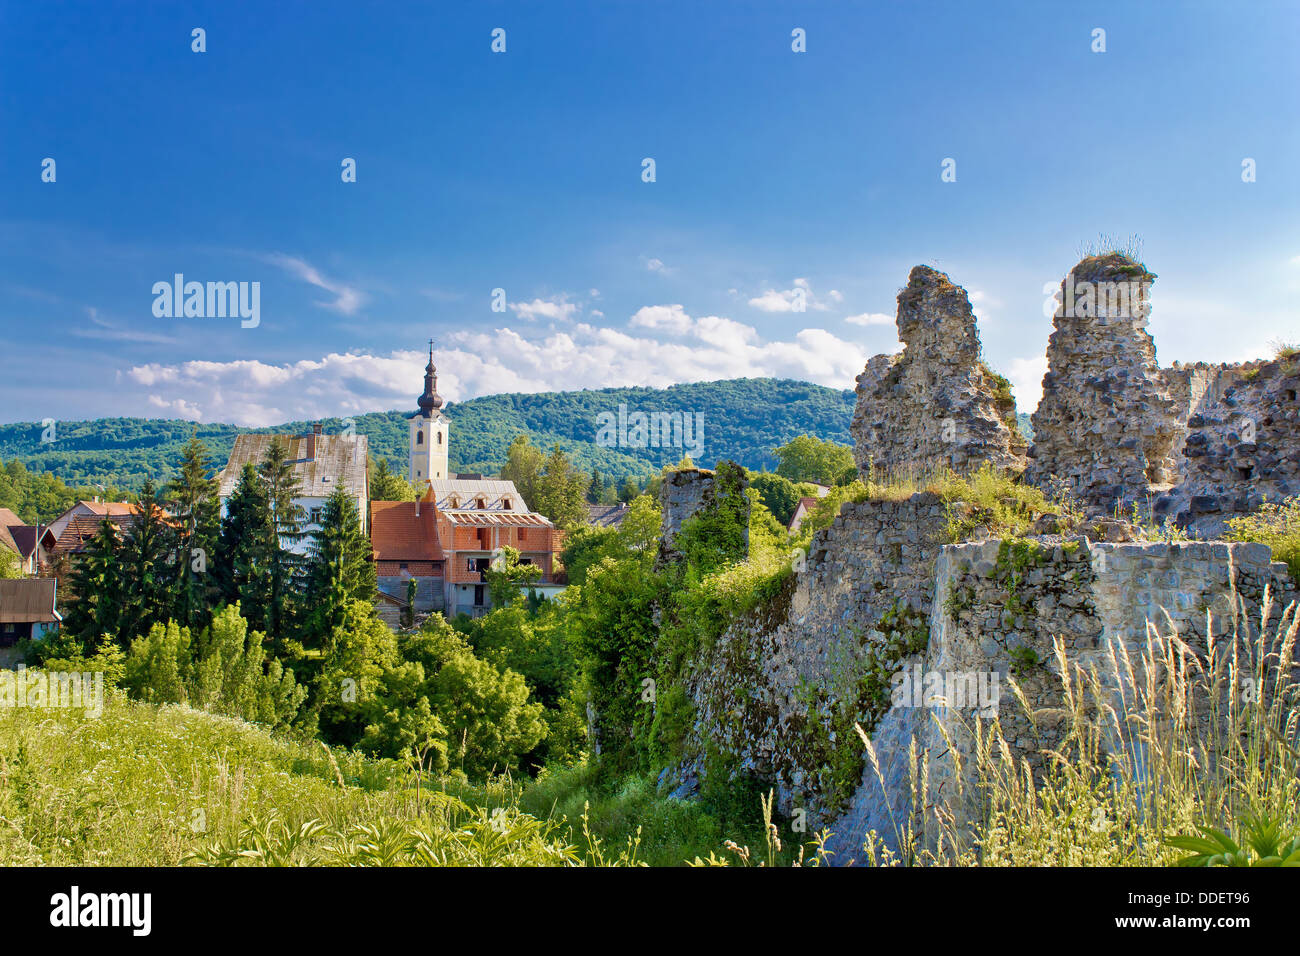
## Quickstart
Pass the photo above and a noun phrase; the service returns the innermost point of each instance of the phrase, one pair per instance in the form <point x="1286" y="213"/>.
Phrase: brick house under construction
<point x="447" y="540"/>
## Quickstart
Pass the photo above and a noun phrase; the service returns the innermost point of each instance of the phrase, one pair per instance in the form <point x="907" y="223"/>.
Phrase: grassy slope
<point x="143" y="785"/>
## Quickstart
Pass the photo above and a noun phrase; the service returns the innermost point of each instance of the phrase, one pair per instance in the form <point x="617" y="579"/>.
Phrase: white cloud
<point x="776" y="300"/>
<point x="556" y="308"/>
<point x="656" y="265"/>
<point x="178" y="407"/>
<point x="1026" y="376"/>
<point x="870" y="318"/>
<point x="346" y="299"/>
<point x="499" y="360"/>
<point x="670" y="318"/>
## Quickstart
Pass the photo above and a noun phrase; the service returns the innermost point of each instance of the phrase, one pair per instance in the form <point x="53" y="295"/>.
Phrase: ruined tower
<point x="1108" y="423"/>
<point x="936" y="403"/>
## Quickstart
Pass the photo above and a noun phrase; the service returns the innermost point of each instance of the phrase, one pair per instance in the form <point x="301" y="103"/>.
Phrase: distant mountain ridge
<point x="743" y="420"/>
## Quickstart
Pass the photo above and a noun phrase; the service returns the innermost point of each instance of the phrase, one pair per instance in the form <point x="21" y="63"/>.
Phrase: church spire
<point x="430" y="401"/>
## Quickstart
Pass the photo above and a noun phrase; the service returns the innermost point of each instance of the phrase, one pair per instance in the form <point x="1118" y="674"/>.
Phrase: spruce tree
<point x="339" y="569"/>
<point x="147" y="565"/>
<point x="284" y="566"/>
<point x="247" y="539"/>
<point x="196" y="529"/>
<point x="387" y="486"/>
<point x="95" y="587"/>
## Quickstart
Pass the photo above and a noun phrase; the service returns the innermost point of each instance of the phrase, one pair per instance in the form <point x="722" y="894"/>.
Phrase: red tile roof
<point x="81" y="528"/>
<point x="396" y="534"/>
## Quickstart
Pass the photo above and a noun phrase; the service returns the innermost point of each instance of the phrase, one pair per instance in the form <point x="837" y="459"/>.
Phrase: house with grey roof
<point x="320" y="462"/>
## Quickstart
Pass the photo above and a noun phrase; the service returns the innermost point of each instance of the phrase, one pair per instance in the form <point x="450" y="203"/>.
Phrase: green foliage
<point x="1276" y="525"/>
<point x="196" y="528"/>
<point x="779" y="495"/>
<point x="37" y="495"/>
<point x="10" y="564"/>
<point x="507" y="578"/>
<point x="387" y="486"/>
<point x="1264" y="842"/>
<point x="809" y="458"/>
<point x="340" y="567"/>
<point x="224" y="670"/>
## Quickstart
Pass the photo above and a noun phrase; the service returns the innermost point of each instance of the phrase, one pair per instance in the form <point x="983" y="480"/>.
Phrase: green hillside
<point x="743" y="420"/>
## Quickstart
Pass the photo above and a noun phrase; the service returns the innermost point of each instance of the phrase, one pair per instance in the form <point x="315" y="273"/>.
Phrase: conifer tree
<point x="147" y="568"/>
<point x="197" y="526"/>
<point x="96" y="590"/>
<point x="387" y="486"/>
<point x="339" y="569"/>
<point x="243" y="551"/>
<point x="284" y="566"/>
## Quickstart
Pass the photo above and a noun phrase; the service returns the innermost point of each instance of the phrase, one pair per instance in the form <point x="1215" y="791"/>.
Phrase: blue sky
<point x="776" y="171"/>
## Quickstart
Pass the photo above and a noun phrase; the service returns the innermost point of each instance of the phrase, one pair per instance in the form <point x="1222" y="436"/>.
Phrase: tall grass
<point x="1155" y="745"/>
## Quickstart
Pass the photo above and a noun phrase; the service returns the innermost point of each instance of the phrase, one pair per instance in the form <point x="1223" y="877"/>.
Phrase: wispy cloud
<point x="870" y="318"/>
<point x="347" y="300"/>
<point x="108" y="332"/>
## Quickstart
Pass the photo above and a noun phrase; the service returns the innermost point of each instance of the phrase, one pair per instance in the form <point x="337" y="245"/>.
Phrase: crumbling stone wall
<point x="1241" y="446"/>
<point x="1108" y="424"/>
<point x="997" y="608"/>
<point x="936" y="403"/>
<point x="688" y="492"/>
<point x="781" y="688"/>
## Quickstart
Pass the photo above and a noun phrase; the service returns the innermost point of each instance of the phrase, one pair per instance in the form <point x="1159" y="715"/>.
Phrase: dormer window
<point x="480" y="503"/>
<point x="507" y="504"/>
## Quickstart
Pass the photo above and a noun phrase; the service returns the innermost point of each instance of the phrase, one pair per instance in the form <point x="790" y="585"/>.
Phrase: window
<point x="507" y="504"/>
<point x="478" y="595"/>
<point x="419" y="438"/>
<point x="439" y="438"/>
<point x="315" y="516"/>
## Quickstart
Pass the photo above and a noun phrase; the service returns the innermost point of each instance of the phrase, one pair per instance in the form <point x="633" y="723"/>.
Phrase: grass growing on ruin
<point x="1154" y="748"/>
<point x="1276" y="525"/>
<point x="989" y="500"/>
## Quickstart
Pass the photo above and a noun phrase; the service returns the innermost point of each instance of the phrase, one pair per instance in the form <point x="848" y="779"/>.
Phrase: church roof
<point x="430" y="401"/>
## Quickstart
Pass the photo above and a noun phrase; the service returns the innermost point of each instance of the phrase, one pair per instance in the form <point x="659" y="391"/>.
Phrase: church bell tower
<point x="429" y="431"/>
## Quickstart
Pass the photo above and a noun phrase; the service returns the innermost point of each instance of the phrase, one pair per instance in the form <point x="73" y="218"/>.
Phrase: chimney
<point x="311" y="442"/>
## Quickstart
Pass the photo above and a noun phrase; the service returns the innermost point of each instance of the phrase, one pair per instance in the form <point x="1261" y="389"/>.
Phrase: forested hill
<point x="743" y="420"/>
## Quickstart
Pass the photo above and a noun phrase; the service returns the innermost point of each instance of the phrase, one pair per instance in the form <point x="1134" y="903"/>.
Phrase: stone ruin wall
<point x="1107" y="425"/>
<point x="1194" y="444"/>
<point x="764" y="692"/>
<point x="936" y="403"/>
<point x="683" y="494"/>
<point x="1113" y="427"/>
<point x="1241" y="443"/>
<point x="767" y="691"/>
<point x="1095" y="598"/>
